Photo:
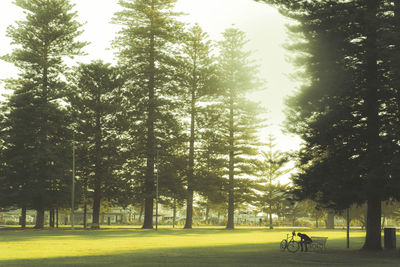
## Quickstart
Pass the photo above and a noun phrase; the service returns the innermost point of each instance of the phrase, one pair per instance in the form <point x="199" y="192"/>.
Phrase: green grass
<point x="169" y="247"/>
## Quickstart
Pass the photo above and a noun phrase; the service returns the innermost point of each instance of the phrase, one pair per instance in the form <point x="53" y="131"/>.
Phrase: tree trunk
<point x="330" y="221"/>
<point x="96" y="206"/>
<point x="39" y="218"/>
<point x="56" y="217"/>
<point x="85" y="205"/>
<point x="85" y="215"/>
<point x="189" y="209"/>
<point x="373" y="226"/>
<point x="207" y="214"/>
<point x="40" y="211"/>
<point x="51" y="218"/>
<point x="148" y="204"/>
<point x="189" y="202"/>
<point x="141" y="212"/>
<point x="231" y="187"/>
<point x="44" y="134"/>
<point x="23" y="217"/>
<point x="174" y="214"/>
<point x="98" y="167"/>
<point x="149" y="186"/>
<point x="270" y="218"/>
<point x="374" y="183"/>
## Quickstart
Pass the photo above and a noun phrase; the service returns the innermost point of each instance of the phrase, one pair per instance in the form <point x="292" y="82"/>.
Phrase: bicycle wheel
<point x="293" y="246"/>
<point x="283" y="244"/>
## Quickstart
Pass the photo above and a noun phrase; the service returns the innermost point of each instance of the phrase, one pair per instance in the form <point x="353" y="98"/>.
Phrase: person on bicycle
<point x="305" y="239"/>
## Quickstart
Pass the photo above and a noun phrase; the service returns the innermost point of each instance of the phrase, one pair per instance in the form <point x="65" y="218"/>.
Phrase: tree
<point x="5" y="197"/>
<point x="238" y="76"/>
<point x="30" y="184"/>
<point x="43" y="39"/>
<point x="270" y="202"/>
<point x="209" y="180"/>
<point x="330" y="219"/>
<point x="272" y="167"/>
<point x="95" y="103"/>
<point x="346" y="110"/>
<point x="171" y="172"/>
<point x="198" y="80"/>
<point x="315" y="211"/>
<point x="357" y="214"/>
<point x="147" y="46"/>
<point x="14" y="190"/>
<point x="291" y="210"/>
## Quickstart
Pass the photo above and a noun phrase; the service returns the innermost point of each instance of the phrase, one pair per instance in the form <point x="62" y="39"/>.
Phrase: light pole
<point x="73" y="183"/>
<point x="157" y="191"/>
<point x="348" y="227"/>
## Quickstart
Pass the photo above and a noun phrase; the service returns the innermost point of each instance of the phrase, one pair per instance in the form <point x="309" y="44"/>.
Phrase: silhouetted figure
<point x="305" y="239"/>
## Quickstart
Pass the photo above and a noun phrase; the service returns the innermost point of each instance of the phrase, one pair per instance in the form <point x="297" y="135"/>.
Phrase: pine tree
<point x="171" y="173"/>
<point x="346" y="110"/>
<point x="147" y="46"/>
<point x="209" y="179"/>
<point x="95" y="104"/>
<point x="43" y="39"/>
<point x="198" y="80"/>
<point x="270" y="168"/>
<point x="4" y="196"/>
<point x="238" y="76"/>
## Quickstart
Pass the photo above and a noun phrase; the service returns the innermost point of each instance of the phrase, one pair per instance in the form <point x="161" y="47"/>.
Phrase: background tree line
<point x="174" y="108"/>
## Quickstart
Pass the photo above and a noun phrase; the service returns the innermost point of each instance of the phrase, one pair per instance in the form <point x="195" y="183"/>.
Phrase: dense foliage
<point x="35" y="125"/>
<point x="347" y="110"/>
<point x="169" y="123"/>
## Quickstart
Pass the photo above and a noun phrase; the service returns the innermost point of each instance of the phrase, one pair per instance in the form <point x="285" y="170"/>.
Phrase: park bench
<point x="318" y="243"/>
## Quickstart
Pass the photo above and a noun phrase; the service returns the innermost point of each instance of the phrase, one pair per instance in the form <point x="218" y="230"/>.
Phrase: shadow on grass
<point x="267" y="254"/>
<point x="242" y="253"/>
<point x="29" y="234"/>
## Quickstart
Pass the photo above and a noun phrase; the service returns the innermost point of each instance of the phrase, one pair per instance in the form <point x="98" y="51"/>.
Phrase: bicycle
<point x="290" y="244"/>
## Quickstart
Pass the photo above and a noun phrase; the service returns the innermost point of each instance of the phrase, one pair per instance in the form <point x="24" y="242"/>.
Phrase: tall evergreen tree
<point x="171" y="174"/>
<point x="42" y="40"/>
<point x="3" y="190"/>
<point x="198" y="80"/>
<point x="96" y="107"/>
<point x="238" y="76"/>
<point x="269" y="169"/>
<point x="346" y="110"/>
<point x="147" y="46"/>
<point x="210" y="169"/>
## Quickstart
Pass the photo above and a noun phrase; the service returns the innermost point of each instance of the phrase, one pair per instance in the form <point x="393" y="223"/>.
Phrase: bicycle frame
<point x="290" y="244"/>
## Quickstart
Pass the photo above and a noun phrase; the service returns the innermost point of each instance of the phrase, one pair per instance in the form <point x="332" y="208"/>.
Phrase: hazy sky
<point x="263" y="25"/>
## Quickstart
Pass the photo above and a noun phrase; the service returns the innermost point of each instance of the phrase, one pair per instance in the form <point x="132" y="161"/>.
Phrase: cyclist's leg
<point x="308" y="244"/>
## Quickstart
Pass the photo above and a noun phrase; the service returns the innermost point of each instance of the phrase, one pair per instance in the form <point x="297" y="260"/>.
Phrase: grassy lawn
<point x="169" y="247"/>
